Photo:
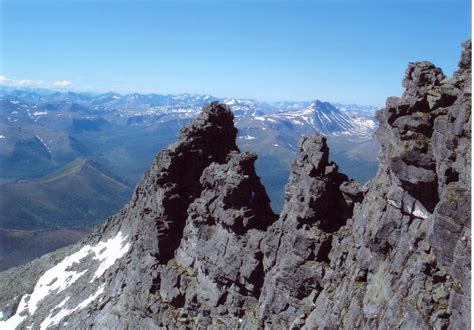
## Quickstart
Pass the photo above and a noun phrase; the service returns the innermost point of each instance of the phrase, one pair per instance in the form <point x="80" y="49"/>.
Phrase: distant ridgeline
<point x="198" y="244"/>
<point x="70" y="160"/>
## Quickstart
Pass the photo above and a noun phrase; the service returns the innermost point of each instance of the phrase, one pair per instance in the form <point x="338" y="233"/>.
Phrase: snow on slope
<point x="62" y="276"/>
<point x="318" y="117"/>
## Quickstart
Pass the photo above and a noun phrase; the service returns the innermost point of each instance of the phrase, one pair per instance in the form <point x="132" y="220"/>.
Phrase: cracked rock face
<point x="198" y="245"/>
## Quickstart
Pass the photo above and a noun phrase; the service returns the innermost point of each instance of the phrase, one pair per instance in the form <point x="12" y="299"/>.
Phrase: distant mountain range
<point x="40" y="102"/>
<point x="95" y="147"/>
<point x="123" y="132"/>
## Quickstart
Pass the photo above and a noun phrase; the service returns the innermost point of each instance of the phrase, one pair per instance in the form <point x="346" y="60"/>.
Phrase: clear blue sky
<point x="340" y="51"/>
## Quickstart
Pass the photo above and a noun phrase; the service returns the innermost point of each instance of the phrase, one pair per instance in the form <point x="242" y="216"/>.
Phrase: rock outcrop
<point x="199" y="246"/>
<point x="401" y="257"/>
<point x="319" y="201"/>
<point x="184" y="250"/>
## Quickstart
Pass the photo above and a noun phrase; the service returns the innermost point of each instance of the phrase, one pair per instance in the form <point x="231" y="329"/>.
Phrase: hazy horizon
<point x="35" y="86"/>
<point x="343" y="51"/>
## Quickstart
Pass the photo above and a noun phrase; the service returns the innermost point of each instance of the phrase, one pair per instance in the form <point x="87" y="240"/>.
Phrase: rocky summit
<point x="199" y="246"/>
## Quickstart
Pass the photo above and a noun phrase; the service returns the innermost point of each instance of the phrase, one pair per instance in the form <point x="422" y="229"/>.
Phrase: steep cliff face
<point x="198" y="244"/>
<point x="401" y="258"/>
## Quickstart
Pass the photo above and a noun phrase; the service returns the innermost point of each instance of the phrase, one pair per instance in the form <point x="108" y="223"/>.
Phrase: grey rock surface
<point x="198" y="244"/>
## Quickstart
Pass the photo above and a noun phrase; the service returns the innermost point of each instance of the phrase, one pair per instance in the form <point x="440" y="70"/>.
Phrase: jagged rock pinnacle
<point x="420" y="74"/>
<point x="314" y="192"/>
<point x="214" y="127"/>
<point x="316" y="150"/>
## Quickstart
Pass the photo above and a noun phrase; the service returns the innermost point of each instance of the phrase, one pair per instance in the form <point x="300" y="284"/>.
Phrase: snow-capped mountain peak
<point x="231" y="102"/>
<point x="320" y="117"/>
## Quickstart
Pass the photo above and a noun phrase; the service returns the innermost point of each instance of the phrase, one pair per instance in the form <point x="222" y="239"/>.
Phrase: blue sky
<point x="340" y="51"/>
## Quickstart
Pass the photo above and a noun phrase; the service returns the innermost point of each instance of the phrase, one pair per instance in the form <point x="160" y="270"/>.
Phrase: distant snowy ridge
<point x="139" y="109"/>
<point x="318" y="117"/>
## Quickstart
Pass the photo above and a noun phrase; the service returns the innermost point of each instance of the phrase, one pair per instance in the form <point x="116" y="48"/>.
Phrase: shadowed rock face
<point x="319" y="201"/>
<point x="198" y="244"/>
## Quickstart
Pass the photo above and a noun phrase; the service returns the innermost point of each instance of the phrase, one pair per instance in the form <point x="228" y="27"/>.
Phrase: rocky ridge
<point x="198" y="244"/>
<point x="401" y="258"/>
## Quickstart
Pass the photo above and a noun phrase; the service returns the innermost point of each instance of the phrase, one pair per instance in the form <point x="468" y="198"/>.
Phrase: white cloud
<point x="33" y="83"/>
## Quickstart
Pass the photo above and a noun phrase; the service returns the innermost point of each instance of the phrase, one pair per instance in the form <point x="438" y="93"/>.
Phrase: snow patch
<point x="56" y="279"/>
<point x="16" y="319"/>
<point x="107" y="253"/>
<point x="40" y="113"/>
<point x="231" y="102"/>
<point x="62" y="275"/>
<point x="53" y="320"/>
<point x="45" y="145"/>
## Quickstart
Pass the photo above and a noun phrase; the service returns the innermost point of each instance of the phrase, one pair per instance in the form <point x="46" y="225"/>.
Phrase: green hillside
<point x="77" y="195"/>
